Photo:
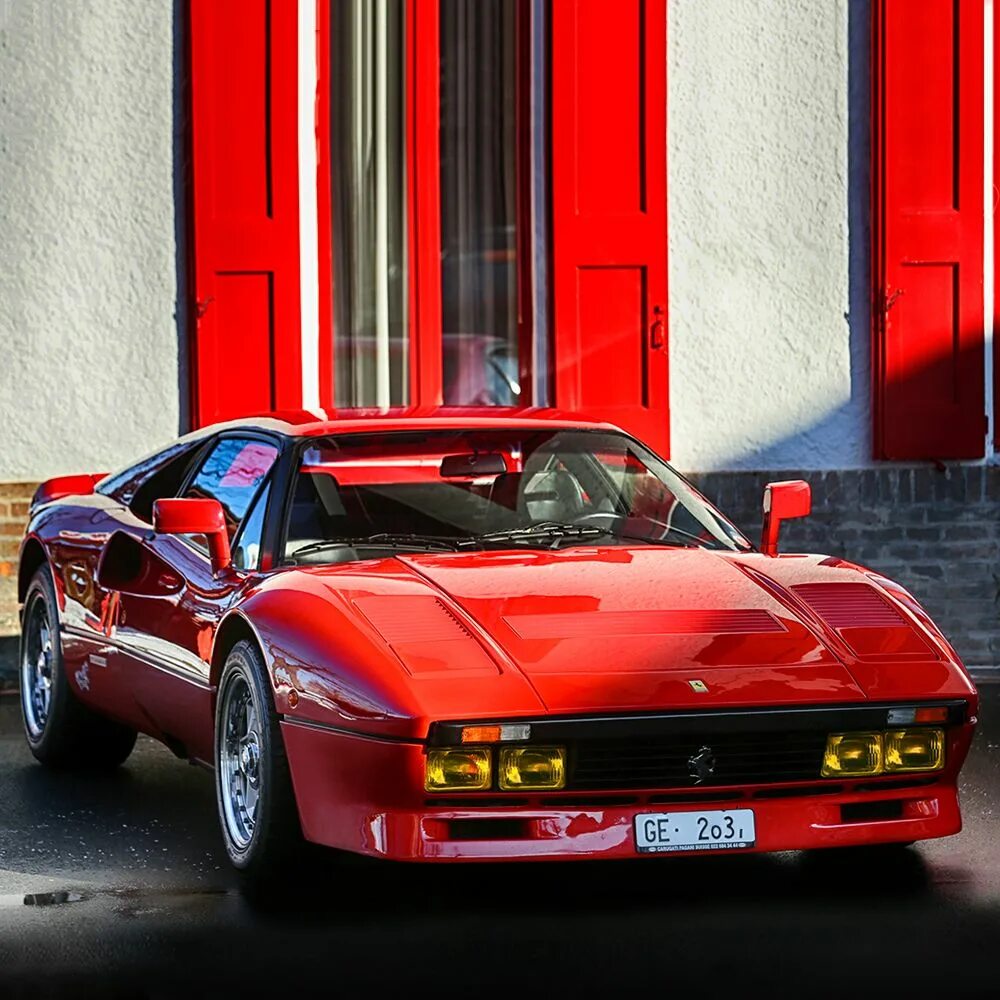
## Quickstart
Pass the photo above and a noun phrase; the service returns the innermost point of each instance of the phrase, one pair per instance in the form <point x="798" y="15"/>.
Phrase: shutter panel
<point x="247" y="354"/>
<point x="928" y="309"/>
<point x="609" y="212"/>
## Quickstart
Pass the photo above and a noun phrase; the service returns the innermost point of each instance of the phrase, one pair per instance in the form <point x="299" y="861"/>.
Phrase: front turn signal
<point x="853" y="755"/>
<point x="914" y="750"/>
<point x="527" y="768"/>
<point x="457" y="770"/>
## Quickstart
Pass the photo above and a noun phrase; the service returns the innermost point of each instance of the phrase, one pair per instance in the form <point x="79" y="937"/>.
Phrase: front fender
<point x="333" y="664"/>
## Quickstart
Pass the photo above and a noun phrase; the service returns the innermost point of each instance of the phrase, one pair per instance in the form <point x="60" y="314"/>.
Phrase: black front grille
<point x="686" y="761"/>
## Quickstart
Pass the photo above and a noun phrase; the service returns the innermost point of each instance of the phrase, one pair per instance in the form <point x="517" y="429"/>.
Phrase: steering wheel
<point x="599" y="518"/>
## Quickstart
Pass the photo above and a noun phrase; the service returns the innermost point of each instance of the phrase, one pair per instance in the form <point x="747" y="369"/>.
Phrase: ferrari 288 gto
<point x="467" y="636"/>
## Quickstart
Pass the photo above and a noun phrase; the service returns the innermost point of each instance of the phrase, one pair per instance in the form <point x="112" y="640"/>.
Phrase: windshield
<point x="455" y="490"/>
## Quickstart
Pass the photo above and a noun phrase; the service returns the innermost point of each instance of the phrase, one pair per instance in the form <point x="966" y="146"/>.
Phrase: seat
<point x="316" y="510"/>
<point x="553" y="495"/>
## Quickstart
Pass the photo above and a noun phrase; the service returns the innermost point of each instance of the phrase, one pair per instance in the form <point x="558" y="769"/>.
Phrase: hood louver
<point x="849" y="605"/>
<point x="871" y="625"/>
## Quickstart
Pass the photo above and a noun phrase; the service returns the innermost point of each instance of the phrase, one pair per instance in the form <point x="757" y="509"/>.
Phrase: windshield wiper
<point x="559" y="531"/>
<point x="382" y="539"/>
<point x="555" y="530"/>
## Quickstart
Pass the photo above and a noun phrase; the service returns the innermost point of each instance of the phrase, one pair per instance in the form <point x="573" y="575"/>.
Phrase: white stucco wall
<point x="768" y="354"/>
<point x="88" y="277"/>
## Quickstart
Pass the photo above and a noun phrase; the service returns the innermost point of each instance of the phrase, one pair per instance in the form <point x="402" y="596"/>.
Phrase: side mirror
<point x="782" y="502"/>
<point x="191" y="516"/>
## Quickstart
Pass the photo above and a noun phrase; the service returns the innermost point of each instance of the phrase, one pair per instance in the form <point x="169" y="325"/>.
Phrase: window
<point x="480" y="198"/>
<point x="446" y="201"/>
<point x="231" y="473"/>
<point x="363" y="496"/>
<point x="158" y="476"/>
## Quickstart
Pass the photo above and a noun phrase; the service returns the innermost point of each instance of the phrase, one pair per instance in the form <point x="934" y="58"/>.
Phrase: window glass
<point x="148" y="487"/>
<point x="368" y="202"/>
<point x="246" y="551"/>
<point x="481" y="489"/>
<point x="231" y="473"/>
<point x="479" y="202"/>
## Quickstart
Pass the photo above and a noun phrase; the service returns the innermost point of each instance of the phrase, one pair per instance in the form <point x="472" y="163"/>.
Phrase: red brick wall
<point x="14" y="499"/>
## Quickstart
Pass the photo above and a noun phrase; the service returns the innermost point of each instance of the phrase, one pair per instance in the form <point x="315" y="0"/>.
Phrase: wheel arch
<point x="233" y="628"/>
<point x="33" y="557"/>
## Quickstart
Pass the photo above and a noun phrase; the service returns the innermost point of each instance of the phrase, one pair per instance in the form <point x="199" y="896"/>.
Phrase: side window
<point x="164" y="482"/>
<point x="231" y="473"/>
<point x="246" y="551"/>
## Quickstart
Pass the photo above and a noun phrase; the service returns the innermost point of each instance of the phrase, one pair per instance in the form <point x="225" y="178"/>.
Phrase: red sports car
<point x="451" y="637"/>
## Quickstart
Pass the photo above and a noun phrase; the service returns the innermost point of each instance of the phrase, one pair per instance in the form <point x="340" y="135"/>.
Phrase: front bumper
<point x="365" y="795"/>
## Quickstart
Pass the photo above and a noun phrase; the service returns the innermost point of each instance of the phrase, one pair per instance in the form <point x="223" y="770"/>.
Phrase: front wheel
<point x="256" y="802"/>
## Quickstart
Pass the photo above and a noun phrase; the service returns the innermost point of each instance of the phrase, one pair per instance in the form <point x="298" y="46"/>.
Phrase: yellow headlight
<point x="523" y="768"/>
<point x="914" y="750"/>
<point x="457" y="770"/>
<point x="852" y="755"/>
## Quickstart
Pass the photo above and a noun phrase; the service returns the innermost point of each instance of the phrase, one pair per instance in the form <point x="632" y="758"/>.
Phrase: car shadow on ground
<point x="364" y="887"/>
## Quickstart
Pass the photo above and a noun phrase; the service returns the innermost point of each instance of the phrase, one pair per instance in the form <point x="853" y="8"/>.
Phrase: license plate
<point x="714" y="830"/>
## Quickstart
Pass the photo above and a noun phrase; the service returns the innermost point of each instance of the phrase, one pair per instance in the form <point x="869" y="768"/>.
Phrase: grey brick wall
<point x="935" y="531"/>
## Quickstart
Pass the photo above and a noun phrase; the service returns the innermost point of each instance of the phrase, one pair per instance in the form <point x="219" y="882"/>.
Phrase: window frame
<point x="267" y="482"/>
<point x="422" y="185"/>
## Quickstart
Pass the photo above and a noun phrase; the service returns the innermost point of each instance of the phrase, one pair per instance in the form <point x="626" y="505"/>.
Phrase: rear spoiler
<point x="66" y="486"/>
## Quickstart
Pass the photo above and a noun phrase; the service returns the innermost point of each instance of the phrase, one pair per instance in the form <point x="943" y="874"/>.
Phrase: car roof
<point x="311" y="423"/>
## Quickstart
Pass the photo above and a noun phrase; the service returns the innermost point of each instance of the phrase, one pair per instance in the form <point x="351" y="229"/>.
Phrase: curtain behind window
<point x="479" y="201"/>
<point x="368" y="186"/>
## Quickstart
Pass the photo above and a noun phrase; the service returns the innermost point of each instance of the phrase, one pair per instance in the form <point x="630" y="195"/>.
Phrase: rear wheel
<point x="256" y="802"/>
<point x="61" y="731"/>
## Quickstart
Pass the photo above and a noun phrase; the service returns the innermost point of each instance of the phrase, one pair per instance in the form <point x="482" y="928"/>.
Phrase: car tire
<point x="253" y="785"/>
<point x="61" y="731"/>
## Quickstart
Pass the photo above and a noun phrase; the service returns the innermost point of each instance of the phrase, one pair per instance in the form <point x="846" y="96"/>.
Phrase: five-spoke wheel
<point x="239" y="760"/>
<point x="257" y="810"/>
<point x="36" y="667"/>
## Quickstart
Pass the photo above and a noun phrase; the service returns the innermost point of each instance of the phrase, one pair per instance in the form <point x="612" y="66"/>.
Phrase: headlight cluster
<point x="861" y="755"/>
<point x="518" y="769"/>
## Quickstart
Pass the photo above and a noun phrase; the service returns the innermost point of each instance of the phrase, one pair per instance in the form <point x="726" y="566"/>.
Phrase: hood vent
<point x="850" y="605"/>
<point x="586" y="624"/>
<point x="411" y="618"/>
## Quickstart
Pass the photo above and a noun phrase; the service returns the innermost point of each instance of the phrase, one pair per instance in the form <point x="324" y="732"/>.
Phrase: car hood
<point x="623" y="628"/>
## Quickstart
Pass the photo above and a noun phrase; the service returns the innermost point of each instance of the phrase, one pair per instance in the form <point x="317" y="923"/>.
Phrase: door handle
<point x="657" y="341"/>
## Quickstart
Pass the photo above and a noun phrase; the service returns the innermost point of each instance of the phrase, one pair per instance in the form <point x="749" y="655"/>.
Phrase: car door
<point x="167" y="632"/>
<point x="78" y="536"/>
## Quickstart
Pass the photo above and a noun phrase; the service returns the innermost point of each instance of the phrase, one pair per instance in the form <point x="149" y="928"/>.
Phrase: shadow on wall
<point x="931" y="526"/>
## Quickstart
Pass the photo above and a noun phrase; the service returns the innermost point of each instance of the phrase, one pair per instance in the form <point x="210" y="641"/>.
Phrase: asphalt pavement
<point x="118" y="886"/>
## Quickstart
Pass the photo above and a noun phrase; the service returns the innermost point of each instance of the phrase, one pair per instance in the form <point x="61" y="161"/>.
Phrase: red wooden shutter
<point x="609" y="212"/>
<point x="423" y="194"/>
<point x="928" y="310"/>
<point x="247" y="354"/>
